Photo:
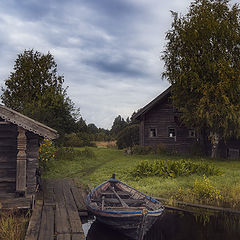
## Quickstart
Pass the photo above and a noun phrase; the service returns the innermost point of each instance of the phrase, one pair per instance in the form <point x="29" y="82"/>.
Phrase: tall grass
<point x="13" y="225"/>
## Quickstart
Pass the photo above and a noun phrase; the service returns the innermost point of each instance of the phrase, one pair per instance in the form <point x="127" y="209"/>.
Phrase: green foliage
<point x="35" y="89"/>
<point x="143" y="150"/>
<point x="84" y="134"/>
<point x="80" y="139"/>
<point x="203" y="65"/>
<point x="173" y="169"/>
<point x="69" y="153"/>
<point x="47" y="152"/>
<point x="205" y="191"/>
<point x="118" y="125"/>
<point x="128" y="137"/>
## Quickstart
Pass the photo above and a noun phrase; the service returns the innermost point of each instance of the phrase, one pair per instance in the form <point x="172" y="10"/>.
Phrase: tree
<point x="118" y="124"/>
<point x="128" y="137"/>
<point x="35" y="89"/>
<point x="202" y="63"/>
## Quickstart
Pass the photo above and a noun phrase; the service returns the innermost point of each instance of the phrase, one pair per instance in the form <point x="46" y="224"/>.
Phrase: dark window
<point x="171" y="132"/>
<point x="191" y="133"/>
<point x="153" y="132"/>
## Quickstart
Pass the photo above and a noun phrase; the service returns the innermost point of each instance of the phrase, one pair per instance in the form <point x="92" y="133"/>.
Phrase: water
<point x="175" y="225"/>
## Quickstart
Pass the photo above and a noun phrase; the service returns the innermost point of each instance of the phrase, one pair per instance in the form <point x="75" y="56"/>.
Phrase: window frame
<point x="151" y="135"/>
<point x="191" y="130"/>
<point x="175" y="132"/>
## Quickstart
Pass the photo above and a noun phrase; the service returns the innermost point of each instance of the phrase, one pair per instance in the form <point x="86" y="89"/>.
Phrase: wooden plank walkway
<point x="57" y="215"/>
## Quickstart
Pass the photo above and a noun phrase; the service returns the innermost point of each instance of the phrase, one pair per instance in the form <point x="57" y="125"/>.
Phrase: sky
<point x="109" y="51"/>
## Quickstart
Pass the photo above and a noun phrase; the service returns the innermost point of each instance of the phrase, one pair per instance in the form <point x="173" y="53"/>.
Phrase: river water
<point x="175" y="225"/>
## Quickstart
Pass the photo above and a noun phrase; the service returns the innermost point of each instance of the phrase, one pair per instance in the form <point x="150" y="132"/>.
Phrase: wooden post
<point x="21" y="162"/>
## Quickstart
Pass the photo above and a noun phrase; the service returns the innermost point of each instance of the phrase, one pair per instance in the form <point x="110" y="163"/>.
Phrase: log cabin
<point x="160" y="125"/>
<point x="19" y="145"/>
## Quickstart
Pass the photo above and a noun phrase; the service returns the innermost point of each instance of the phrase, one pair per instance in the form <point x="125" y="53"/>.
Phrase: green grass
<point x="92" y="171"/>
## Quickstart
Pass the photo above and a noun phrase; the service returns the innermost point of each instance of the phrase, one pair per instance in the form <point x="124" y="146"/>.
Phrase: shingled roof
<point x="27" y="123"/>
<point x="150" y="105"/>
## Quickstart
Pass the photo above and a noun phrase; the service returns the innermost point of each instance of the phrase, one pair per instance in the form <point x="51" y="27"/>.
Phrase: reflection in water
<point x="178" y="226"/>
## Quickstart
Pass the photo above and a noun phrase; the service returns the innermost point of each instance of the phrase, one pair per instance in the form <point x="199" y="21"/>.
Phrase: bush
<point x="78" y="140"/>
<point x="66" y="153"/>
<point x="70" y="154"/>
<point x="205" y="191"/>
<point x="143" y="150"/>
<point x="172" y="169"/>
<point x="47" y="152"/>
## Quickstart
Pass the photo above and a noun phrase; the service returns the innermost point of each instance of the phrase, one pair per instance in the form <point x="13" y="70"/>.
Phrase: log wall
<point x="8" y="156"/>
<point x="8" y="159"/>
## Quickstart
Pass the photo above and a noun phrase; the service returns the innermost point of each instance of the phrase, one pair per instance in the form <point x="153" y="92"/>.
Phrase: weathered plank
<point x="47" y="224"/>
<point x="48" y="192"/>
<point x="78" y="236"/>
<point x="74" y="219"/>
<point x="79" y="197"/>
<point x="34" y="223"/>
<point x="64" y="236"/>
<point x="58" y="191"/>
<point x="21" y="175"/>
<point x="61" y="220"/>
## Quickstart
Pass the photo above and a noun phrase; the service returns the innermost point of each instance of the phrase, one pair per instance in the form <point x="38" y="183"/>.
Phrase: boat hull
<point x="131" y="225"/>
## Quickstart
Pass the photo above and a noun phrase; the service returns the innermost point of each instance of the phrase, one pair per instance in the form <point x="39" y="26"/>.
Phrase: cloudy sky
<point x="108" y="50"/>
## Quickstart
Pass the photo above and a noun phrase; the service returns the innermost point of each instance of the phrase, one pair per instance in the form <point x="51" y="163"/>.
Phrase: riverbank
<point x="99" y="163"/>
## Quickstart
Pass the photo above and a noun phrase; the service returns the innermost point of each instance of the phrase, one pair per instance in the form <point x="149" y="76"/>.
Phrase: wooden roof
<point x="27" y="123"/>
<point x="150" y="105"/>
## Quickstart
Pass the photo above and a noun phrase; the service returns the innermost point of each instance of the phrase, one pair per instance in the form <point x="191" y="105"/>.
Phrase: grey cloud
<point x="108" y="50"/>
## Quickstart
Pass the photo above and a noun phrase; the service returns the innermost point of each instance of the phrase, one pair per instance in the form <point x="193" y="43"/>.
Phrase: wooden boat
<point x="124" y="208"/>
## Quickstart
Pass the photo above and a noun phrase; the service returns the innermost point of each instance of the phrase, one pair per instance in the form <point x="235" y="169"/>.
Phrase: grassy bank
<point x="98" y="166"/>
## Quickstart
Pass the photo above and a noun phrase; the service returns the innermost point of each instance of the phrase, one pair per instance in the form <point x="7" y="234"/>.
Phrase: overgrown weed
<point x="13" y="225"/>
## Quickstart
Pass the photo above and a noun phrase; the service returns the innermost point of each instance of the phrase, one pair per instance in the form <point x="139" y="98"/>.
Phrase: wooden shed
<point x="19" y="144"/>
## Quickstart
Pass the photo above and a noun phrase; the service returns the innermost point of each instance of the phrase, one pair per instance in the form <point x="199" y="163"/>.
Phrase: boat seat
<point x="110" y="193"/>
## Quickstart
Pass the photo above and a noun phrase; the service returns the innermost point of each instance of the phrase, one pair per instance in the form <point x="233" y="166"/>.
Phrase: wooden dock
<point x="57" y="215"/>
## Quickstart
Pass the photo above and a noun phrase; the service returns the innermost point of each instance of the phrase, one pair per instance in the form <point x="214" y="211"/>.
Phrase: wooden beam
<point x="21" y="162"/>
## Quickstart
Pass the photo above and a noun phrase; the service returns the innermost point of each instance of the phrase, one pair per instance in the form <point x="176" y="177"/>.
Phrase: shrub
<point x="47" y="152"/>
<point x="69" y="153"/>
<point x="172" y="169"/>
<point x="143" y="150"/>
<point x="205" y="191"/>
<point x="78" y="140"/>
<point x="66" y="153"/>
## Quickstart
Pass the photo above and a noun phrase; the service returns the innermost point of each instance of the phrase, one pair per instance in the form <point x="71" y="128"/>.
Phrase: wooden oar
<point x="121" y="201"/>
<point x="103" y="197"/>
